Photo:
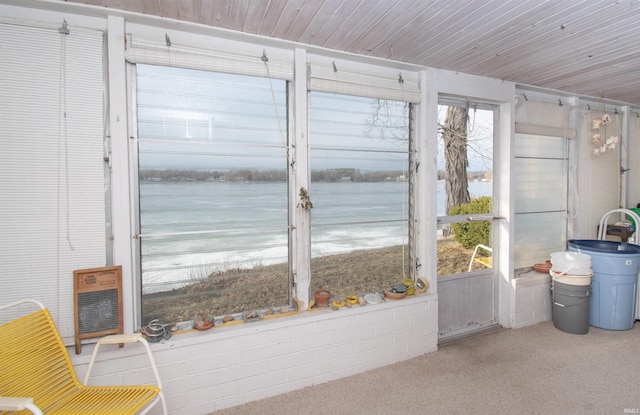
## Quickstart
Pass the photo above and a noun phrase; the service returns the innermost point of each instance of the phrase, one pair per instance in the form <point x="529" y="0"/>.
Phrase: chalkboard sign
<point x="98" y="303"/>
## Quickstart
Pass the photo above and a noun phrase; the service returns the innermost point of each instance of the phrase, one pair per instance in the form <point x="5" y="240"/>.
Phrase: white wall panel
<point x="597" y="176"/>
<point x="633" y="140"/>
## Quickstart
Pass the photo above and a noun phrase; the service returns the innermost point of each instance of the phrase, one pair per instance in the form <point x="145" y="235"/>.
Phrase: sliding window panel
<point x="541" y="185"/>
<point x="541" y="171"/>
<point x="212" y="193"/>
<point x="360" y="188"/>
<point x="537" y="236"/>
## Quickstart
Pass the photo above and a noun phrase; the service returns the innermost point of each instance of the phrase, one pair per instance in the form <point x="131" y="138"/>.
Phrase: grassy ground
<point x="236" y="291"/>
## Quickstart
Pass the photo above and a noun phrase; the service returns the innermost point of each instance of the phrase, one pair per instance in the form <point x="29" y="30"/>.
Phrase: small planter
<point x="203" y="322"/>
<point x="395" y="292"/>
<point x="322" y="298"/>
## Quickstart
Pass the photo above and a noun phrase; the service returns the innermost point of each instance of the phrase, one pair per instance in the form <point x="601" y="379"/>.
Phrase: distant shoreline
<point x="281" y="175"/>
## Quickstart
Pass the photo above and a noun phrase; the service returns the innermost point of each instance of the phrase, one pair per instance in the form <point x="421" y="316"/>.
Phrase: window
<point x="212" y="182"/>
<point x="360" y="189"/>
<point x="540" y="198"/>
<point x="465" y="186"/>
<point x="541" y="169"/>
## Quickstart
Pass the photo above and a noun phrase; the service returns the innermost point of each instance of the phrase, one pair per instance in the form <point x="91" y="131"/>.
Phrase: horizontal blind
<point x="254" y="61"/>
<point x="544" y="130"/>
<point x="543" y="118"/>
<point x="52" y="197"/>
<point x="352" y="78"/>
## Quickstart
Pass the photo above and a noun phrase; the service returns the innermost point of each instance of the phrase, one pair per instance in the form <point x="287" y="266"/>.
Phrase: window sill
<point x="240" y="328"/>
<point x="275" y="322"/>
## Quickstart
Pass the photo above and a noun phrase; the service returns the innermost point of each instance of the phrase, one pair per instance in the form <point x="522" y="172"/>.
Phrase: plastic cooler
<point x="614" y="282"/>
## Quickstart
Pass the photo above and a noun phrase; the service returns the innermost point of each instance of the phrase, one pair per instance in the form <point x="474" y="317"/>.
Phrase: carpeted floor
<point x="533" y="370"/>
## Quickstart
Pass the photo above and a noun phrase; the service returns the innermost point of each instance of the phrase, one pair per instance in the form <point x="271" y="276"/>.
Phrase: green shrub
<point x="472" y="233"/>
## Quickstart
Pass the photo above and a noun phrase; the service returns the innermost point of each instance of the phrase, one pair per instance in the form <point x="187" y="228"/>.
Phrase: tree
<point x="474" y="233"/>
<point x="454" y="135"/>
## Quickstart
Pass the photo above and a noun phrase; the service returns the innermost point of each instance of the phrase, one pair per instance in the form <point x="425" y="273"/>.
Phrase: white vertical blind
<point x="52" y="187"/>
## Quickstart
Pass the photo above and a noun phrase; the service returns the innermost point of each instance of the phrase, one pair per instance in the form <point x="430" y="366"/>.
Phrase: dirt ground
<point x="260" y="288"/>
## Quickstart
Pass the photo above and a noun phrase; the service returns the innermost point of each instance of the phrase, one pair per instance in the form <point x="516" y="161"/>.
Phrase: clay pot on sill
<point x="322" y="298"/>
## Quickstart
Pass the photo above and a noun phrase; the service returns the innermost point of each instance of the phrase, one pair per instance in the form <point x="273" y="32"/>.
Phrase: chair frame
<point x="50" y="390"/>
<point x="484" y="261"/>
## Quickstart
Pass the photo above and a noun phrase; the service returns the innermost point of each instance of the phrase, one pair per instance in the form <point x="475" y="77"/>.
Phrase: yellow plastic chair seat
<point x="103" y="400"/>
<point x="486" y="261"/>
<point x="34" y="363"/>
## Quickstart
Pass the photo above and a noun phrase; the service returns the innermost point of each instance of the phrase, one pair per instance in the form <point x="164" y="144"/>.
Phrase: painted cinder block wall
<point x="533" y="301"/>
<point x="202" y="372"/>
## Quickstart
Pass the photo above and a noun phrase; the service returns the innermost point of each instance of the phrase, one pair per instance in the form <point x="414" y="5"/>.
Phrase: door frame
<point x="467" y="301"/>
<point x="437" y="82"/>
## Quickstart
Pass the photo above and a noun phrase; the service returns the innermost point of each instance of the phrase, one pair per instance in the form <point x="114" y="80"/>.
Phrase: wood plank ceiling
<point x="584" y="47"/>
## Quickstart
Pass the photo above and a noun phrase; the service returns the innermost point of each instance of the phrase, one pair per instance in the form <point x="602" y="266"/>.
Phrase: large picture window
<point x="212" y="182"/>
<point x="360" y="187"/>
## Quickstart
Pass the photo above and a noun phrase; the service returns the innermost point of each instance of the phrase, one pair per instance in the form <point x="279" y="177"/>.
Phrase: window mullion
<point x="299" y="179"/>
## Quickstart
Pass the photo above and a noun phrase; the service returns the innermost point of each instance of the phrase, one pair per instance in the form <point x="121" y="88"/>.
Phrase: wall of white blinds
<point x="352" y="78"/>
<point x="254" y="60"/>
<point x="52" y="186"/>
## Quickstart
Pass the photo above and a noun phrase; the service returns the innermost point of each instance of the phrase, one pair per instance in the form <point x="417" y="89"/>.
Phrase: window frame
<point x="135" y="191"/>
<point x="410" y="272"/>
<point x="298" y="153"/>
<point x="447" y="100"/>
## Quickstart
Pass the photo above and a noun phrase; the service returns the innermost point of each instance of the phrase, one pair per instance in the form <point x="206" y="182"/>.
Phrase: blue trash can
<point x="614" y="282"/>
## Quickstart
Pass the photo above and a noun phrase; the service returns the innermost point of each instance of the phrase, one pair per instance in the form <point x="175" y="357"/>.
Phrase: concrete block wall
<point x="202" y="372"/>
<point x="532" y="298"/>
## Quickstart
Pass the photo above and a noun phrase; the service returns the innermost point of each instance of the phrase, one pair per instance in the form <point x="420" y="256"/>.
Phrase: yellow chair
<point x="37" y="376"/>
<point x="484" y="261"/>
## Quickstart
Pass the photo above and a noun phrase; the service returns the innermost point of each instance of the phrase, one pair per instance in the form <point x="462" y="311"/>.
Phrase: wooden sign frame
<point x="97" y="299"/>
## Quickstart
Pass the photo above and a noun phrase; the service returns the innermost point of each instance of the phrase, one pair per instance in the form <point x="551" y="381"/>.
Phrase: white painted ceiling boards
<point x="584" y="47"/>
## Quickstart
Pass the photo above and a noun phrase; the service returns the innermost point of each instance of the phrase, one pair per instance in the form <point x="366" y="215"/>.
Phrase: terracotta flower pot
<point x="322" y="298"/>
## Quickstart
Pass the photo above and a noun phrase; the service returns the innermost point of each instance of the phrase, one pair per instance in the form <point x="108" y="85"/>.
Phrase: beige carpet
<point x="533" y="370"/>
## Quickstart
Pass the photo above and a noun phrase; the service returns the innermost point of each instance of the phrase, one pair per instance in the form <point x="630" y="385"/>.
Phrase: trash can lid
<point x="609" y="247"/>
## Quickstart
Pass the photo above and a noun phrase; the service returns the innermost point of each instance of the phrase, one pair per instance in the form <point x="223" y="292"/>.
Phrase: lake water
<point x="190" y="229"/>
